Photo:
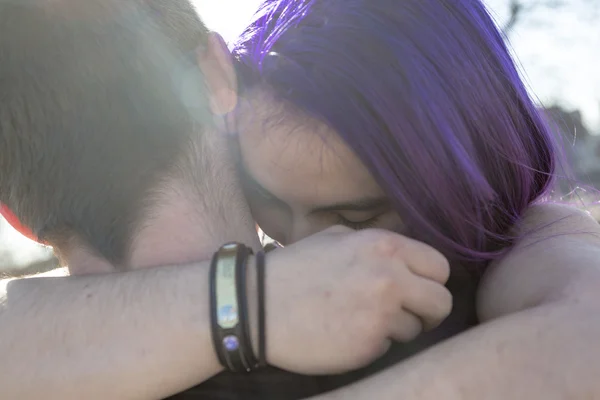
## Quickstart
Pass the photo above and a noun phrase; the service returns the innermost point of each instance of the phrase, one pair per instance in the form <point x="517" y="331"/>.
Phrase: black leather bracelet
<point x="260" y="275"/>
<point x="246" y="350"/>
<point x="229" y="326"/>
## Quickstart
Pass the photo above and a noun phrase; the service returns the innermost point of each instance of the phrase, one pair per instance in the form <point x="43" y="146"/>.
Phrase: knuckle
<point x="384" y="287"/>
<point x="442" y="308"/>
<point x="383" y="244"/>
<point x="382" y="298"/>
<point x="441" y="265"/>
<point x="377" y="333"/>
<point x="369" y="325"/>
<point x="446" y="303"/>
<point x="409" y="331"/>
<point x="372" y="346"/>
<point x="444" y="270"/>
<point x="377" y="329"/>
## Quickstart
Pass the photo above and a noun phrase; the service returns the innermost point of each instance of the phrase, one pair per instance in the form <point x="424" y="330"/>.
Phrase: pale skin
<point x="152" y="339"/>
<point x="145" y="333"/>
<point x="538" y="334"/>
<point x="538" y="305"/>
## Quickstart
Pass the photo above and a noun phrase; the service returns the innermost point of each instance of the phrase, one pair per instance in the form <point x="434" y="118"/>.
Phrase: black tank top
<point x="275" y="384"/>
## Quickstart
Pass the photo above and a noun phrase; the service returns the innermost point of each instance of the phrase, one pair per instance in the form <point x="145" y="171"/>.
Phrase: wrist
<point x="276" y="347"/>
<point x="201" y="321"/>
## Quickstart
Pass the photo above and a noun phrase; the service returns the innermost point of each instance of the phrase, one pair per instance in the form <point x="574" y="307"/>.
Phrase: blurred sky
<point x="558" y="47"/>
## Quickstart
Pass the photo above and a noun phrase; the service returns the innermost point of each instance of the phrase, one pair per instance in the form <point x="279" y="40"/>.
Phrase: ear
<point x="16" y="224"/>
<point x="216" y="64"/>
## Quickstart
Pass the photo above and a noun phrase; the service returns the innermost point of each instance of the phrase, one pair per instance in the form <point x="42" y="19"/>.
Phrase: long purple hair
<point x="426" y="94"/>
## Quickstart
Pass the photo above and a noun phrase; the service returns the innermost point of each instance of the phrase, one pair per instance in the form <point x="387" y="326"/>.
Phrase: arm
<point x="134" y="335"/>
<point x="539" y="308"/>
<point x="145" y="334"/>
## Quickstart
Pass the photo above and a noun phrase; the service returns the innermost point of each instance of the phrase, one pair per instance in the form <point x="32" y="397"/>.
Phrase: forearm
<point x="134" y="335"/>
<point x="548" y="352"/>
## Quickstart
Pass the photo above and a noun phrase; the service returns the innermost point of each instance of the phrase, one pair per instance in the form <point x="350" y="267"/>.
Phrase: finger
<point x="421" y="258"/>
<point x="424" y="260"/>
<point x="406" y="327"/>
<point x="429" y="300"/>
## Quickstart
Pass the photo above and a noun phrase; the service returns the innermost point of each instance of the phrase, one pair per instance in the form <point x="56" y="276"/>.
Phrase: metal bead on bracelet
<point x="229" y="309"/>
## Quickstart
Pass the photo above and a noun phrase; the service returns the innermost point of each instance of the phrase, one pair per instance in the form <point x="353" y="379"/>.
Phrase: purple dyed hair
<point x="426" y="93"/>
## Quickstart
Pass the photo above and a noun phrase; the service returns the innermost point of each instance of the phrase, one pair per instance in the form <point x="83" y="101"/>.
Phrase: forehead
<point x="298" y="158"/>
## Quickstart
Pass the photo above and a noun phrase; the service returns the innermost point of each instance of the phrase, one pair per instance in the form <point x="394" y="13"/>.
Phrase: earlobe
<point x="216" y="64"/>
<point x="223" y="101"/>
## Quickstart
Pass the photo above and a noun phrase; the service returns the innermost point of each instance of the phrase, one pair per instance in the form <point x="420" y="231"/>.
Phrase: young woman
<point x="407" y="116"/>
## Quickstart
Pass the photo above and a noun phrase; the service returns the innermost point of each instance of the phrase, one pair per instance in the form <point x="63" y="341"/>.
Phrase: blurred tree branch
<point x="516" y="9"/>
<point x="520" y="7"/>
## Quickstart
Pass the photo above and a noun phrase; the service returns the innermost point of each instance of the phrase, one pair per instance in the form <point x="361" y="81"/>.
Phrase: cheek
<point x="273" y="221"/>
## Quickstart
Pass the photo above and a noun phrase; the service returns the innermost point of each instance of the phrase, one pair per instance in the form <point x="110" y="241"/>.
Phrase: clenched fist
<point x="336" y="299"/>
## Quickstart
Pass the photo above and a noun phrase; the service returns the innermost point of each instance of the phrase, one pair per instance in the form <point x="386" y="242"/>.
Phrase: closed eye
<point x="359" y="225"/>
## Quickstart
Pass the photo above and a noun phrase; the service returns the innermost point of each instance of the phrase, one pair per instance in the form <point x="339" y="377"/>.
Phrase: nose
<point x="292" y="227"/>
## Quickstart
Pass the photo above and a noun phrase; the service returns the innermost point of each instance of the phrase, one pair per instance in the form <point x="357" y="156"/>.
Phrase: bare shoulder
<point x="558" y="255"/>
<point x="552" y="220"/>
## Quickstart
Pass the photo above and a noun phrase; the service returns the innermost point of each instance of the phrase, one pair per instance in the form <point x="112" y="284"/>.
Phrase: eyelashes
<point x="265" y="197"/>
<point x="357" y="226"/>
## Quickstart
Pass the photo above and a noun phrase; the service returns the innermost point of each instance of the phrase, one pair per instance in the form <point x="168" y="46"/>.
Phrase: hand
<point x="337" y="298"/>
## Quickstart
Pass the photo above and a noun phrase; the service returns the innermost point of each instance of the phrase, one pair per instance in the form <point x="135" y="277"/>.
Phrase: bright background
<point x="556" y="41"/>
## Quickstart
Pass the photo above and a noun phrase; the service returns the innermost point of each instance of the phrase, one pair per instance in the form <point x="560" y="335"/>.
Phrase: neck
<point x="81" y="261"/>
<point x="176" y="232"/>
<point x="182" y="231"/>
